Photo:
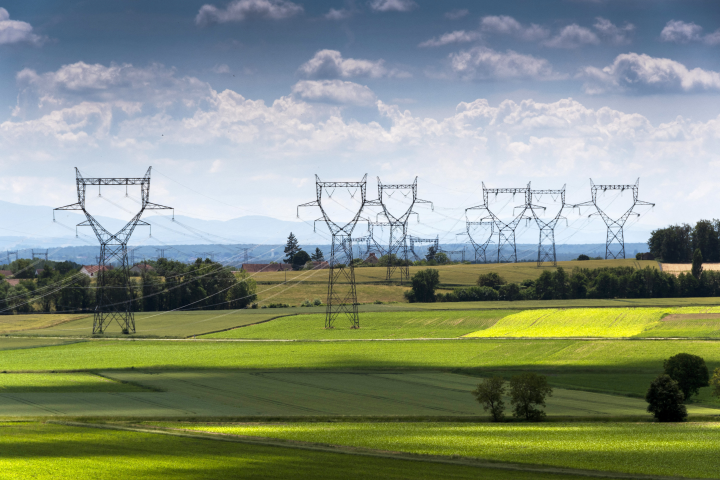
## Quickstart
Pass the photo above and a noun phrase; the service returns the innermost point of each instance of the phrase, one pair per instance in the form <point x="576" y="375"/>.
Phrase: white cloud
<point x="15" y="31"/>
<point x="573" y="36"/>
<point x="485" y="63"/>
<point x="678" y="31"/>
<point x="506" y="25"/>
<point x="457" y="14"/>
<point x="392" y="5"/>
<point x="613" y="34"/>
<point x="334" y="91"/>
<point x="335" y="14"/>
<point x="239" y="10"/>
<point x="643" y="73"/>
<point x="331" y="64"/>
<point x="221" y="69"/>
<point x="458" y="36"/>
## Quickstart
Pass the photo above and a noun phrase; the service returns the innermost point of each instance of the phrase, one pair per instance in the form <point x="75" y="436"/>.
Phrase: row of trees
<point x="676" y="243"/>
<point x="168" y="285"/>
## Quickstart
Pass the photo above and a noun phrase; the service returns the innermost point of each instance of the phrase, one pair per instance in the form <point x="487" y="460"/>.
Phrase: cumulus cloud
<point x="15" y="31"/>
<point x="331" y="64"/>
<point x="506" y="25"/>
<point x="457" y="14"/>
<point x="613" y="34"/>
<point x="392" y="5"/>
<point x="642" y="73"/>
<point x="677" y="31"/>
<point x="486" y="63"/>
<point x="334" y="91"/>
<point x="573" y="36"/>
<point x="335" y="14"/>
<point x="239" y="10"/>
<point x="458" y="36"/>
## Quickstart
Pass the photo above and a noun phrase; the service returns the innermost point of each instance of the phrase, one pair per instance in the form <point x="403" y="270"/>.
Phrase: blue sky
<point x="238" y="104"/>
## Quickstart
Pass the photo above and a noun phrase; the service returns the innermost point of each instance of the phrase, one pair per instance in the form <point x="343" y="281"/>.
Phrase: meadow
<point x="688" y="450"/>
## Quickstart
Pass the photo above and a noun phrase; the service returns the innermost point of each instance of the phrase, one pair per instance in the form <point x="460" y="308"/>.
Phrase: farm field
<point x="16" y="323"/>
<point x="686" y="450"/>
<point x="296" y="294"/>
<point x="49" y="451"/>
<point x="61" y="382"/>
<point x="433" y="324"/>
<point x="456" y="275"/>
<point x="678" y="268"/>
<point x="685" y="325"/>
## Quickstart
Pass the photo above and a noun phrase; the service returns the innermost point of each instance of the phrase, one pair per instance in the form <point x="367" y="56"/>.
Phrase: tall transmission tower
<point x="160" y="252"/>
<point x="113" y="304"/>
<point x="342" y="297"/>
<point x="12" y="253"/>
<point x="39" y="254"/>
<point x="506" y="230"/>
<point x="397" y="249"/>
<point x="246" y="255"/>
<point x="546" y="244"/>
<point x="210" y="255"/>
<point x="615" y="240"/>
<point x="479" y="247"/>
<point x="433" y="242"/>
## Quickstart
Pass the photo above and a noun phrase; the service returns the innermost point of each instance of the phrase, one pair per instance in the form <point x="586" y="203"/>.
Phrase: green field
<point x="685" y="326"/>
<point x="17" y="323"/>
<point x="46" y="451"/>
<point x="435" y="324"/>
<point x="689" y="450"/>
<point x="61" y="382"/>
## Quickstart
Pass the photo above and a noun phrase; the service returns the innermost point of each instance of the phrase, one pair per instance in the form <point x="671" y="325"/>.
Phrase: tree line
<point x="676" y="243"/>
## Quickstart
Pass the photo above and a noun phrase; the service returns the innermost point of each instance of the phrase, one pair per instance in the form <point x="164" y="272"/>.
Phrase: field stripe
<point x="368" y="452"/>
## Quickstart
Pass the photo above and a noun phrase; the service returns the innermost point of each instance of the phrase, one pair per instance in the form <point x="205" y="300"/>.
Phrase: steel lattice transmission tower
<point x="433" y="242"/>
<point x="397" y="248"/>
<point x="615" y="235"/>
<point x="342" y="297"/>
<point x="546" y="244"/>
<point x="506" y="230"/>
<point x="113" y="304"/>
<point x="479" y="248"/>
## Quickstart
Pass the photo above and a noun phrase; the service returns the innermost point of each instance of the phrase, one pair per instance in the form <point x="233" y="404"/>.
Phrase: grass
<point x="705" y="326"/>
<point x="586" y="322"/>
<point x="61" y="382"/>
<point x="17" y="323"/>
<point x="16" y="343"/>
<point x="296" y="294"/>
<point x="443" y="324"/>
<point x="579" y="303"/>
<point x="686" y="450"/>
<point x="44" y="451"/>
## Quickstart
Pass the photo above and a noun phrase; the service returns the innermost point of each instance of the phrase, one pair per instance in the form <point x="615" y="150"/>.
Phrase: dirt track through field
<point x="369" y="452"/>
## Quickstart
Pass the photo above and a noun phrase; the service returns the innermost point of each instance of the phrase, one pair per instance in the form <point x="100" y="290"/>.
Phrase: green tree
<point x="317" y="256"/>
<point x="544" y="286"/>
<point x="527" y="392"/>
<point x="243" y="292"/>
<point x="705" y="238"/>
<point x="582" y="256"/>
<point x="578" y="285"/>
<point x="715" y="383"/>
<point x="292" y="247"/>
<point x="424" y="284"/>
<point x="510" y="292"/>
<point x="665" y="400"/>
<point x="561" y="284"/>
<point x="431" y="252"/>
<point x="689" y="371"/>
<point x="490" y="279"/>
<point x="441" y="258"/>
<point x="672" y="244"/>
<point x="697" y="261"/>
<point x="489" y="394"/>
<point x="300" y="259"/>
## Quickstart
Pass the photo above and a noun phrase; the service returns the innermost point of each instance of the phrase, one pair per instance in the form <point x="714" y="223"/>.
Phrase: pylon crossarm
<point x="314" y="203"/>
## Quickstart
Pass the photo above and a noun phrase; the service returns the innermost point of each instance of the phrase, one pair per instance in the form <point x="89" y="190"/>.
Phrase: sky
<point x="238" y="105"/>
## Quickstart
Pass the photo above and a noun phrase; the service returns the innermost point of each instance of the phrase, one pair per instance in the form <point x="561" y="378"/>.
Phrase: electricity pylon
<point x="433" y="242"/>
<point x="113" y="303"/>
<point x="615" y="235"/>
<point x="506" y="230"/>
<point x="546" y="244"/>
<point x="479" y="248"/>
<point x="341" y="297"/>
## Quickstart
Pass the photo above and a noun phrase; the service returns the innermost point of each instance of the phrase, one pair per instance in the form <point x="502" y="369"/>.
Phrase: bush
<point x="583" y="257"/>
<point x="317" y="302"/>
<point x="489" y="394"/>
<point x="689" y="371"/>
<point x="665" y="400"/>
<point x="715" y="383"/>
<point x="527" y="391"/>
<point x="470" y="294"/>
<point x="510" y="292"/>
<point x="306" y="303"/>
<point x="424" y="284"/>
<point x="254" y="305"/>
<point x="491" y="279"/>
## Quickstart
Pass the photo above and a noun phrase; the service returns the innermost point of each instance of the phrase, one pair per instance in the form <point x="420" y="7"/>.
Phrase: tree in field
<point x="300" y="259"/>
<point x="527" y="392"/>
<point x="489" y="394"/>
<point x="242" y="293"/>
<point x="689" y="371"/>
<point x="317" y="256"/>
<point x="697" y="264"/>
<point x="715" y="383"/>
<point x="431" y="252"/>
<point x="665" y="400"/>
<point x="490" y="279"/>
<point x="424" y="284"/>
<point x="442" y="258"/>
<point x="291" y="248"/>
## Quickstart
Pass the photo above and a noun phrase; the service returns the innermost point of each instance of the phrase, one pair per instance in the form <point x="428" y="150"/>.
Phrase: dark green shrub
<point x="665" y="400"/>
<point x="689" y="371"/>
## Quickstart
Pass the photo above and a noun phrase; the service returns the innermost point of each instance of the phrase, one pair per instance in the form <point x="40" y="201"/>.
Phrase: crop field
<point x="456" y="275"/>
<point x="685" y="325"/>
<point x="61" y="382"/>
<point x="589" y="322"/>
<point x="689" y="450"/>
<point x="434" y="324"/>
<point x="294" y="294"/>
<point x="678" y="268"/>
<point x="16" y="323"/>
<point x="50" y="451"/>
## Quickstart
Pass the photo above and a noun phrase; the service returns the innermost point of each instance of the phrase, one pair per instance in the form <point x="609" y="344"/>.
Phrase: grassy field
<point x="17" y="323"/>
<point x="580" y="303"/>
<point x="46" y="451"/>
<point x="456" y="275"/>
<point x="436" y="324"/>
<point x="61" y="382"/>
<point x="687" y="325"/>
<point x="689" y="450"/>
<point x="590" y="322"/>
<point x="297" y="294"/>
<point x="15" y="343"/>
